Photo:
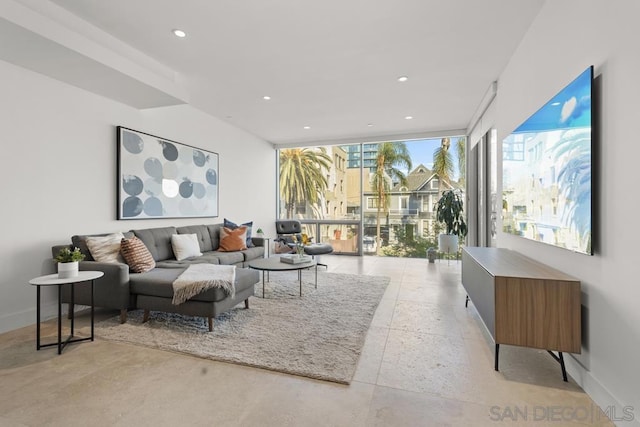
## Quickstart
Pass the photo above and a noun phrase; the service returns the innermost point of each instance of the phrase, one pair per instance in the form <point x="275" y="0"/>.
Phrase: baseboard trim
<point x="12" y="321"/>
<point x="620" y="415"/>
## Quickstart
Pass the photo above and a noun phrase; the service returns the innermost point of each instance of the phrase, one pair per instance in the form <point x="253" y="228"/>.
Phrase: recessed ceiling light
<point x="370" y="124"/>
<point x="307" y="127"/>
<point x="266" y="97"/>
<point x="408" y="117"/>
<point x="179" y="33"/>
<point x="403" y="79"/>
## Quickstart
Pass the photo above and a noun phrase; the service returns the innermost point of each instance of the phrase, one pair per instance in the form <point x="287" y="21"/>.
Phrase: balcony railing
<point x="403" y="211"/>
<point x="343" y="235"/>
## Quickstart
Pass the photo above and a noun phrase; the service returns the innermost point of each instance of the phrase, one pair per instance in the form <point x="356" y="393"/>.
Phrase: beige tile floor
<point x="426" y="362"/>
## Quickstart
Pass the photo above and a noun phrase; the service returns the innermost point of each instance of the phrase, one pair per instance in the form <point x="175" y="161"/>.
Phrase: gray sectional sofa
<point x="152" y="291"/>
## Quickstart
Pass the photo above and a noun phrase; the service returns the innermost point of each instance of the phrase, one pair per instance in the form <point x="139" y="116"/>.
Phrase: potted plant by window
<point x="68" y="262"/>
<point x="449" y="210"/>
<point x="259" y="232"/>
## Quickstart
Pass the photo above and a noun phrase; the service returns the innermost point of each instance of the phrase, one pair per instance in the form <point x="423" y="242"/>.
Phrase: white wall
<point x="568" y="36"/>
<point x="58" y="175"/>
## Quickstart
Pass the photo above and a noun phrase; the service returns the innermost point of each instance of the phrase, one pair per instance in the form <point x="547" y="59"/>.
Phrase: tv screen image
<point x="546" y="171"/>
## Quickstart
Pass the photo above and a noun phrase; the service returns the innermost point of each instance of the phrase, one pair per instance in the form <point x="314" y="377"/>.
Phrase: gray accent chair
<point x="287" y="229"/>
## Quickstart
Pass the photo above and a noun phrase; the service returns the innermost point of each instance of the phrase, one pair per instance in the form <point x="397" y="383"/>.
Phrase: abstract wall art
<point x="160" y="178"/>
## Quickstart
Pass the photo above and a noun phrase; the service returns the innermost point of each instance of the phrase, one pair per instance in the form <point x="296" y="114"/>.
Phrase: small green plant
<point x="259" y="231"/>
<point x="68" y="255"/>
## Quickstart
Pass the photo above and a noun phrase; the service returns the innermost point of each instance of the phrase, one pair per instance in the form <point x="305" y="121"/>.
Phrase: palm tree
<point x="443" y="163"/>
<point x="390" y="156"/>
<point x="301" y="176"/>
<point x="462" y="158"/>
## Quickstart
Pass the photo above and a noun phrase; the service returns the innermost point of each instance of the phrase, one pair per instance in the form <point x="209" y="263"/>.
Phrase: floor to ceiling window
<point x="341" y="196"/>
<point x="317" y="187"/>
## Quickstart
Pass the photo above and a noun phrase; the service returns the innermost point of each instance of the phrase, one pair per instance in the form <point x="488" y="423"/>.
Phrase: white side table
<point x="54" y="280"/>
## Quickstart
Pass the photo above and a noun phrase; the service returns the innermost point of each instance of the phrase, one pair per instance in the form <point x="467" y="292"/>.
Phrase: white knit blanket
<point x="200" y="277"/>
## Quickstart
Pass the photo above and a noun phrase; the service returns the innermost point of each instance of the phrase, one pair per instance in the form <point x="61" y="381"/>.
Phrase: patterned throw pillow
<point x="105" y="248"/>
<point x="233" y="239"/>
<point x="137" y="255"/>
<point x="232" y="225"/>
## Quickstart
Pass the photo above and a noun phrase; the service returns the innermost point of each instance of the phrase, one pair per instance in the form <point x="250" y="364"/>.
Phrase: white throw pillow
<point x="185" y="246"/>
<point x="105" y="248"/>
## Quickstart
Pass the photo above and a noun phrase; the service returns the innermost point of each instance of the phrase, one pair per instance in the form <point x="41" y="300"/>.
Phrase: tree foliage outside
<point x="443" y="162"/>
<point x="391" y="156"/>
<point x="303" y="177"/>
<point x="303" y="184"/>
<point x="414" y="246"/>
<point x="462" y="159"/>
<point x="409" y="246"/>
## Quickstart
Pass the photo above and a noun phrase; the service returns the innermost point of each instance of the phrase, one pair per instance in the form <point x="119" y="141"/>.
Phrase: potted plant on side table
<point x="68" y="262"/>
<point x="449" y="210"/>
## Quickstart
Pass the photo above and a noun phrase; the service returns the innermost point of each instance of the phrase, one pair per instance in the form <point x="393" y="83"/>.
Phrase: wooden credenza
<point x="523" y="302"/>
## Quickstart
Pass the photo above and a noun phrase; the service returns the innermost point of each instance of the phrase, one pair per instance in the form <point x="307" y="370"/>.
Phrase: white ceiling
<point x="331" y="65"/>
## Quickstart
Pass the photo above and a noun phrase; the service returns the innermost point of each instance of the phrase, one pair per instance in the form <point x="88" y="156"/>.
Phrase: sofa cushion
<point x="233" y="240"/>
<point x="158" y="241"/>
<point x="185" y="246"/>
<point x="105" y="248"/>
<point x="214" y="233"/>
<point x="159" y="282"/>
<point x="214" y="257"/>
<point x="204" y="238"/>
<point x="156" y="282"/>
<point x="253" y="253"/>
<point x="172" y="263"/>
<point x="136" y="255"/>
<point x="80" y="241"/>
<point x="226" y="258"/>
<point x="208" y="258"/>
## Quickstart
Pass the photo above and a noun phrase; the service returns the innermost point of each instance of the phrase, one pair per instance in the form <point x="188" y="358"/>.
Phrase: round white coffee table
<point x="54" y="280"/>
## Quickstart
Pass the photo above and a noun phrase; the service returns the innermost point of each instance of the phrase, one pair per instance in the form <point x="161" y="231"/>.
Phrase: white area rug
<point x="319" y="335"/>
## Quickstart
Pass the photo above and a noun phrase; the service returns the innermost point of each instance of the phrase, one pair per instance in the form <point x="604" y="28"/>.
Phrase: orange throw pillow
<point x="233" y="240"/>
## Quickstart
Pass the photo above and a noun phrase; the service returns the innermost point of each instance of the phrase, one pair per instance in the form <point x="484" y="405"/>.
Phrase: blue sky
<point x="422" y="152"/>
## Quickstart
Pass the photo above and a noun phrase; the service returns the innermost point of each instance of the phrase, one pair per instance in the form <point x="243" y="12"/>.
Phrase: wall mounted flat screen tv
<point x="546" y="171"/>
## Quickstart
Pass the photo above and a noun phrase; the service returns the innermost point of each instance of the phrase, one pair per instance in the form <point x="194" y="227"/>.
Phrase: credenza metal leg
<point x="564" y="369"/>
<point x="560" y="359"/>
